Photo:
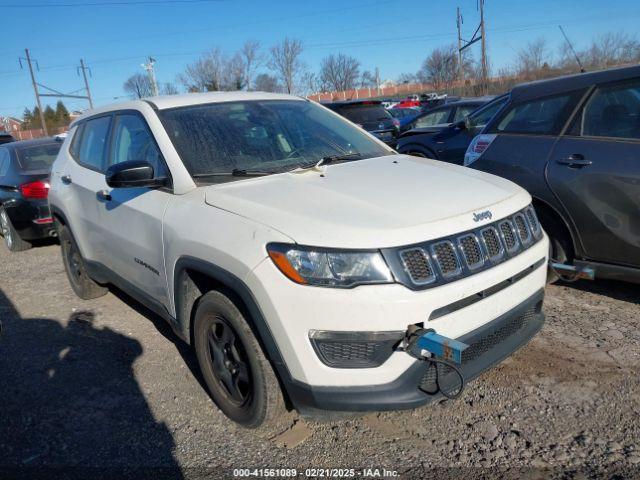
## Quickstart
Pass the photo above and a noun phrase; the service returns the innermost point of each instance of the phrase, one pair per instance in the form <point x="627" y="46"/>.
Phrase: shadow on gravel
<point x="626" y="292"/>
<point x="70" y="399"/>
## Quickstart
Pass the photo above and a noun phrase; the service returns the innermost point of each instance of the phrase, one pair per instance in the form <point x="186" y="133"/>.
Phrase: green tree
<point x="62" y="114"/>
<point x="27" y="119"/>
<point x="35" y="118"/>
<point x="50" y="117"/>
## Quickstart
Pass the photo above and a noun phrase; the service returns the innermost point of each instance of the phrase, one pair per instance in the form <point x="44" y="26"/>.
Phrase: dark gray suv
<point x="574" y="143"/>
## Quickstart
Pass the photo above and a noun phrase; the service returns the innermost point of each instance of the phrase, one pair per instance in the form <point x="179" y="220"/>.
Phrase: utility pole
<point x="460" y="66"/>
<point x="485" y="69"/>
<point x="377" y="82"/>
<point x="35" y="89"/>
<point x="152" y="75"/>
<point x="86" y="83"/>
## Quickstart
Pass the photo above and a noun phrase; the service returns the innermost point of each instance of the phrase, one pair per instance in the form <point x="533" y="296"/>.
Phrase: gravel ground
<point x="106" y="384"/>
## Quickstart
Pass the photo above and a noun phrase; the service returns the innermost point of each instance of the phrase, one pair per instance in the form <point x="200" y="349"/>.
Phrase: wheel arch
<point x="549" y="213"/>
<point x="194" y="277"/>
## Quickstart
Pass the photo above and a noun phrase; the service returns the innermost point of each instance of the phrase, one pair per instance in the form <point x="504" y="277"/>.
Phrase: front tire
<point x="239" y="377"/>
<point x="81" y="283"/>
<point x="11" y="237"/>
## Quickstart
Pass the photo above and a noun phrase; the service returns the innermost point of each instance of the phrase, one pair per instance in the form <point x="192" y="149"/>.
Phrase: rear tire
<point x="11" y="237"/>
<point x="239" y="377"/>
<point x="75" y="266"/>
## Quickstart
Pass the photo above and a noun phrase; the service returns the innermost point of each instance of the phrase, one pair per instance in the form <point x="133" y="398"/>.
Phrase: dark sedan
<point x="449" y="143"/>
<point x="24" y="186"/>
<point x="6" y="138"/>
<point x="370" y="115"/>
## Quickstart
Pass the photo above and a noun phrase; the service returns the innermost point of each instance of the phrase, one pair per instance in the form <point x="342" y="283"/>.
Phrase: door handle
<point x="575" y="160"/>
<point x="104" y="196"/>
<point x="66" y="179"/>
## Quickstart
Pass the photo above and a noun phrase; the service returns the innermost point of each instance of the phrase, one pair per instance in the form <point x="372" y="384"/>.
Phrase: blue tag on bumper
<point x="442" y="347"/>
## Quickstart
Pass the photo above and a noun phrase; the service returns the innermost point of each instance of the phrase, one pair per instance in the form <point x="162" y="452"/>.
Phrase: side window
<point x="538" y="117"/>
<point x="93" y="142"/>
<point x="481" y="117"/>
<point x="462" y="112"/>
<point x="433" y="118"/>
<point x="74" y="148"/>
<point x="132" y="140"/>
<point x="4" y="161"/>
<point x="613" y="111"/>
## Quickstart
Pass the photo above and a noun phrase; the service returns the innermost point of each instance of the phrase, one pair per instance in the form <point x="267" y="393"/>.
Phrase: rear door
<point x="525" y="134"/>
<point x="595" y="171"/>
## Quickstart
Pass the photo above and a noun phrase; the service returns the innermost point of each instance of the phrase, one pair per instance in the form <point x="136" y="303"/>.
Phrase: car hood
<point x="373" y="203"/>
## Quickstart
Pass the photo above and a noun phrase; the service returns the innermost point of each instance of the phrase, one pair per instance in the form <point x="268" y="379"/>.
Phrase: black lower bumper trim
<point x="489" y="345"/>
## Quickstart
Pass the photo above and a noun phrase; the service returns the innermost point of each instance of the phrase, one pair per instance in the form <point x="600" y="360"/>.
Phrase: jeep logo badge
<point x="486" y="215"/>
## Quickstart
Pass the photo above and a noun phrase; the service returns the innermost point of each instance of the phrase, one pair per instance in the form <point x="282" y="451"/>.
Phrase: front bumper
<point x="488" y="345"/>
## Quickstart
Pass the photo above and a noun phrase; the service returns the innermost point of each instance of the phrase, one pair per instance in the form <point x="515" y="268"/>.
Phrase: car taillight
<point x="477" y="147"/>
<point x="34" y="190"/>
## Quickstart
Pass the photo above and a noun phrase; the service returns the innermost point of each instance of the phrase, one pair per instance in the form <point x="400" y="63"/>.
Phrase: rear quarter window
<point x="364" y="113"/>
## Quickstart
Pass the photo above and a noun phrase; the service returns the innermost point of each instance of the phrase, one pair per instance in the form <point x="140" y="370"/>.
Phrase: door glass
<point x="4" y="161"/>
<point x="93" y="143"/>
<point x="462" y="112"/>
<point x="433" y="118"/>
<point x="132" y="140"/>
<point x="540" y="117"/>
<point x="613" y="112"/>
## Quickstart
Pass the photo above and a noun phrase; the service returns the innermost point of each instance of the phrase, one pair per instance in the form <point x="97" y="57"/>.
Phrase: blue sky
<point x="392" y="35"/>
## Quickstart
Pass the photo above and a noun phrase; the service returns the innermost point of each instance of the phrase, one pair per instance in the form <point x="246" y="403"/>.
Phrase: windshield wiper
<point x="236" y="172"/>
<point x="342" y="157"/>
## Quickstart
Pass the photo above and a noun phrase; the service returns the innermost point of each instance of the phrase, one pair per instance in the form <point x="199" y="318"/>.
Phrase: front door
<point x="595" y="172"/>
<point x="132" y="217"/>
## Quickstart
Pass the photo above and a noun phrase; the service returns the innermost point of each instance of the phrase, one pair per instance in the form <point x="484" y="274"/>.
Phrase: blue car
<point x="448" y="143"/>
<point x="405" y="116"/>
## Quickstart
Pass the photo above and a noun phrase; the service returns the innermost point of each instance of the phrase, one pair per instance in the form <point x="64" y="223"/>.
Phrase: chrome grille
<point x="445" y="256"/>
<point x="492" y="244"/>
<point x="508" y="233"/>
<point x="523" y="231"/>
<point x="534" y="224"/>
<point x="471" y="252"/>
<point x="446" y="259"/>
<point x="417" y="264"/>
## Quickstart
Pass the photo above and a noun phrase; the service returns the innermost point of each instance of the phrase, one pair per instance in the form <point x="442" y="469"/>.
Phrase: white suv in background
<point x="294" y="251"/>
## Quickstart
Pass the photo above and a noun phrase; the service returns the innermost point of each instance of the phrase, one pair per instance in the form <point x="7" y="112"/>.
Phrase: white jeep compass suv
<point x="295" y="251"/>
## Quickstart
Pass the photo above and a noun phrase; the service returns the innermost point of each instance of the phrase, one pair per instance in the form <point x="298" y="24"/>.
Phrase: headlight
<point x="329" y="268"/>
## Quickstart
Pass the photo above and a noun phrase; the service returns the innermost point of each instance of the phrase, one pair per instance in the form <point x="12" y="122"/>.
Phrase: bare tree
<point x="138" y="86"/>
<point x="440" y="68"/>
<point x="168" y="88"/>
<point x="532" y="60"/>
<point x="285" y="62"/>
<point x="267" y="83"/>
<point x="234" y="73"/>
<point x="206" y="74"/>
<point x="613" y="48"/>
<point x="407" y="78"/>
<point x="368" y="79"/>
<point x="339" y="72"/>
<point x="309" y="83"/>
<point x="252" y="58"/>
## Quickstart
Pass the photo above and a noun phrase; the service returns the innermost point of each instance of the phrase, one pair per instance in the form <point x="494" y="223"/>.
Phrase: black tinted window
<point x="482" y="116"/>
<point x="5" y="158"/>
<point x="94" y="141"/>
<point x="363" y="113"/>
<point x="539" y="117"/>
<point x="38" y="157"/>
<point x="433" y="118"/>
<point x="613" y="112"/>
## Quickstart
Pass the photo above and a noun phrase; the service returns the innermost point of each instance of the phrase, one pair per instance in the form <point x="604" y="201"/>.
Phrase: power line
<point x="109" y="4"/>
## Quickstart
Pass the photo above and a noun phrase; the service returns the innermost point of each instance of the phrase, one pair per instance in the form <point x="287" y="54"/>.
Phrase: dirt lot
<point x="104" y="383"/>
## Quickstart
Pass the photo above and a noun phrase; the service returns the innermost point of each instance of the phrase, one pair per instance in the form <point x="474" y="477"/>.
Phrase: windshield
<point x="37" y="157"/>
<point x="481" y="117"/>
<point x="262" y="136"/>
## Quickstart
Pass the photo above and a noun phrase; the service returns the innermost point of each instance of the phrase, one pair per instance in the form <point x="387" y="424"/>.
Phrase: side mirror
<point x="133" y="173"/>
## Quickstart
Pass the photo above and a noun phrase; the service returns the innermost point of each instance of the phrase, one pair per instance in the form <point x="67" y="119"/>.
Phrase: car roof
<point x="362" y="101"/>
<point x="540" y="88"/>
<point x="31" y="143"/>
<point x="165" y="102"/>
